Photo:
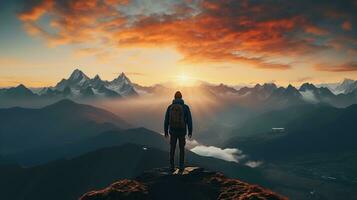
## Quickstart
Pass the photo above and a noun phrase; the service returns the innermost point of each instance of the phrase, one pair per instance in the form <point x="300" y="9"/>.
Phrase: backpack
<point x="177" y="119"/>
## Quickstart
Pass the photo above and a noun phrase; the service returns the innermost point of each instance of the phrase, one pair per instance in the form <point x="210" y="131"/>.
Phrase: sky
<point x="155" y="41"/>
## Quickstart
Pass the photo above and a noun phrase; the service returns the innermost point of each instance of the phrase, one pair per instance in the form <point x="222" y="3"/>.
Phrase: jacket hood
<point x="179" y="101"/>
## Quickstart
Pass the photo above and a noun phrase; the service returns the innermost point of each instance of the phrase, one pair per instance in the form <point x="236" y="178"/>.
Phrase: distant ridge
<point x="62" y="122"/>
<point x="81" y="87"/>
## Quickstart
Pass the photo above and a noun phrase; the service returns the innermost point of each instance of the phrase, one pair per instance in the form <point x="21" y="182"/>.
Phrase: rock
<point x="192" y="183"/>
<point x="124" y="189"/>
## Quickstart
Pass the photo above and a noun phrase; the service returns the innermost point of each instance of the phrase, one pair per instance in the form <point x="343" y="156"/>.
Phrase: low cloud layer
<point x="228" y="154"/>
<point x="309" y="96"/>
<point x="253" y="164"/>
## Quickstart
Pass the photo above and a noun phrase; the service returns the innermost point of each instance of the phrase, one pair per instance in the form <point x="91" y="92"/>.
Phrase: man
<point x="178" y="121"/>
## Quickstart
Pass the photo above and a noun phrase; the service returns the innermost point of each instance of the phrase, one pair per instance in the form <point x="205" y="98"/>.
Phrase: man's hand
<point x="166" y="135"/>
<point x="190" y="135"/>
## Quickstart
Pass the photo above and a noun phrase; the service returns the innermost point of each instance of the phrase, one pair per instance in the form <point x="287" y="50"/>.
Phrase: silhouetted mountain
<point x="277" y="118"/>
<point x="59" y="123"/>
<point x="308" y="129"/>
<point x="313" y="94"/>
<point x="69" y="179"/>
<point x="269" y="96"/>
<point x="260" y="92"/>
<point x="140" y="136"/>
<point x="260" y="97"/>
<point x="220" y="89"/>
<point x="18" y="92"/>
<point x="193" y="183"/>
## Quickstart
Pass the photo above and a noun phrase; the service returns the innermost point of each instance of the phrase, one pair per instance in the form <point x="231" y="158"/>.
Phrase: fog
<point x="212" y="119"/>
<point x="228" y="154"/>
<point x="214" y="116"/>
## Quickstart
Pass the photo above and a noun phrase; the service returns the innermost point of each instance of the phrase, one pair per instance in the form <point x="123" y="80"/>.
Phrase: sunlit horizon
<point x="43" y="42"/>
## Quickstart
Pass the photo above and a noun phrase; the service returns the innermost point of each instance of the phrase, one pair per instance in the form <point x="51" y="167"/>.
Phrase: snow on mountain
<point x="78" y="80"/>
<point x="331" y="86"/>
<point x="347" y="86"/>
<point x="313" y="94"/>
<point x="122" y="85"/>
<point x="80" y="85"/>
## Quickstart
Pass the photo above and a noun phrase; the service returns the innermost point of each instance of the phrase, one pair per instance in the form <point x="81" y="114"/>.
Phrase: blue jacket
<point x="187" y="116"/>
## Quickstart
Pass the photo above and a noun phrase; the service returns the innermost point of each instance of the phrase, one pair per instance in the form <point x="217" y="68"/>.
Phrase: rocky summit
<point x="192" y="183"/>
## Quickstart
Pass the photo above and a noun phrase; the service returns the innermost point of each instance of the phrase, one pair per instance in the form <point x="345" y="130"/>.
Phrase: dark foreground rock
<point x="193" y="183"/>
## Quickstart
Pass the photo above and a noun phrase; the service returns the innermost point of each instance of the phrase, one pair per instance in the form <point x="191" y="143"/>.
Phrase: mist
<point x="212" y="118"/>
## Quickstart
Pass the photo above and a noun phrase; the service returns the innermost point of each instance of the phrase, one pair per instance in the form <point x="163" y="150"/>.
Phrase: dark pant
<point x="182" y="142"/>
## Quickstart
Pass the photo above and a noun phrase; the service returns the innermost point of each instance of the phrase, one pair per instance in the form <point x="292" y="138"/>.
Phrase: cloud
<point x="309" y="96"/>
<point x="34" y="11"/>
<point x="346" y="67"/>
<point x="253" y="164"/>
<point x="315" y="30"/>
<point x="191" y="143"/>
<point x="228" y="154"/>
<point x="346" y="25"/>
<point x="260" y="34"/>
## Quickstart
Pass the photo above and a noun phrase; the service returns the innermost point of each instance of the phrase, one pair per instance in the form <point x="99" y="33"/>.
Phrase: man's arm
<point x="166" y="122"/>
<point x="189" y="121"/>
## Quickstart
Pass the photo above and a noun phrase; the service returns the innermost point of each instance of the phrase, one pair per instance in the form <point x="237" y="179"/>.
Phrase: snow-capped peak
<point x="122" y="78"/>
<point x="78" y="75"/>
<point x="347" y="86"/>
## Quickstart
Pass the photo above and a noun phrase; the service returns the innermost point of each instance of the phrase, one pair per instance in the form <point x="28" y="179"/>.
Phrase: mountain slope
<point x="19" y="91"/>
<point x="69" y="179"/>
<point x="312" y="129"/>
<point x="140" y="136"/>
<point x="59" y="123"/>
<point x="196" y="183"/>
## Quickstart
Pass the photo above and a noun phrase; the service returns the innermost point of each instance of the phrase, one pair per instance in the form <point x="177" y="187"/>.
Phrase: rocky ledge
<point x="192" y="183"/>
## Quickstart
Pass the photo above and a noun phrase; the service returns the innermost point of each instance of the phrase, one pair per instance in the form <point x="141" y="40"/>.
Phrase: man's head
<point x="178" y="95"/>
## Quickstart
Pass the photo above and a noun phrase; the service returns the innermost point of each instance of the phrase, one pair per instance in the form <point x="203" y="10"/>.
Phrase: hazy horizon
<point x="182" y="80"/>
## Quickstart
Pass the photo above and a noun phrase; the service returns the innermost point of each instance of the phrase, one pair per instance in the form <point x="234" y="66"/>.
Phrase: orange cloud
<point x="346" y="67"/>
<point x="258" y="34"/>
<point x="346" y="25"/>
<point x="37" y="11"/>
<point x="315" y="30"/>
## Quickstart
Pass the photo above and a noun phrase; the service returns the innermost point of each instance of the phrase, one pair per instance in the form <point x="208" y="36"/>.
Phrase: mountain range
<point x="80" y="87"/>
<point x="74" y="148"/>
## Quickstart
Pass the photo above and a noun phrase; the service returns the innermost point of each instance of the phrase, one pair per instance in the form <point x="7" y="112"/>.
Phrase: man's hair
<point x="178" y="95"/>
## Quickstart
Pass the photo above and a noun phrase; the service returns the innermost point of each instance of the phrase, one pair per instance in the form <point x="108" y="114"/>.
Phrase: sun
<point x="184" y="80"/>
